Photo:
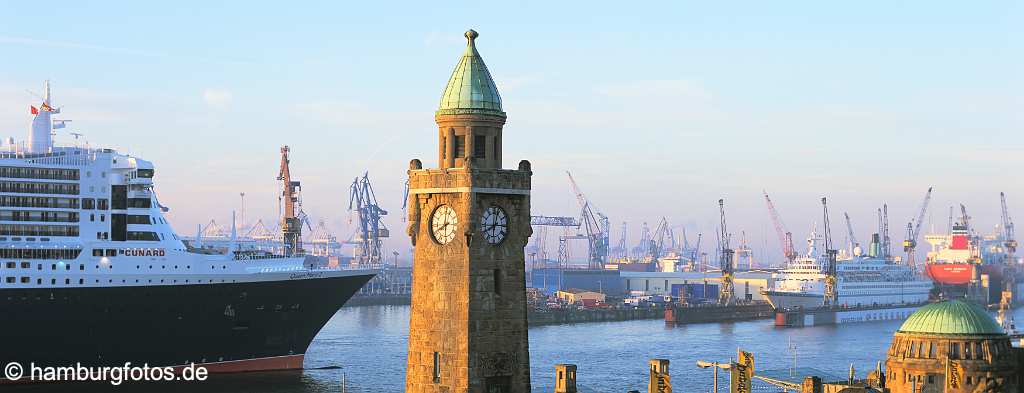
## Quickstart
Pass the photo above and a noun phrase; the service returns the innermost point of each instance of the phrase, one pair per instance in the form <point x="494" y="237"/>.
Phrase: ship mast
<point x="291" y="218"/>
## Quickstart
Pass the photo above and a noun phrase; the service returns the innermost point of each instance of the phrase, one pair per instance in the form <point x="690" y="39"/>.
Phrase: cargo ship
<point x="92" y="272"/>
<point x="955" y="257"/>
<point x="964" y="264"/>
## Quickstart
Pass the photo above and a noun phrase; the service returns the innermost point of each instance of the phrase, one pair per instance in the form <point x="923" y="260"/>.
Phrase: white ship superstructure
<point x="863" y="280"/>
<point x="85" y="245"/>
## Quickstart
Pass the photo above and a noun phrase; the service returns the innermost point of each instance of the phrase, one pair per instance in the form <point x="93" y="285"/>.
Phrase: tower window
<point x="460" y="146"/>
<point x="497" y="281"/>
<point x="437" y="367"/>
<point x="479" y="146"/>
<point x="444" y="148"/>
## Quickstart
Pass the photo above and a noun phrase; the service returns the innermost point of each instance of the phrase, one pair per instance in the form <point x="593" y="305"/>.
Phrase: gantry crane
<point x="914" y="231"/>
<point x="853" y="237"/>
<point x="831" y="281"/>
<point x="292" y="217"/>
<point x="362" y="202"/>
<point x="726" y="293"/>
<point x="785" y="237"/>
<point x="596" y="225"/>
<point x="563" y="248"/>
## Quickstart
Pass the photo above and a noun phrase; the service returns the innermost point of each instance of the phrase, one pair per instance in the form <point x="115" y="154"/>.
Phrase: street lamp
<point x="714" y="369"/>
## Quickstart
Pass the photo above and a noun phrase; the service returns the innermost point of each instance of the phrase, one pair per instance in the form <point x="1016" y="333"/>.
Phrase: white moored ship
<point x="85" y="250"/>
<point x="863" y="281"/>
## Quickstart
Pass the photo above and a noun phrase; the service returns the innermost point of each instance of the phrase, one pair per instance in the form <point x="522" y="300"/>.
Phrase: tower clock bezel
<point x="443" y="238"/>
<point x="501" y="221"/>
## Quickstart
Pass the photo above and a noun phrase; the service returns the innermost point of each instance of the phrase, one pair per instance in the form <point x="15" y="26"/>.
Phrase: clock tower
<point x="469" y="221"/>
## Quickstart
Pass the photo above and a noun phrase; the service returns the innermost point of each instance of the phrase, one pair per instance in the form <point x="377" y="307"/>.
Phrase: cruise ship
<point x="863" y="281"/>
<point x="92" y="272"/>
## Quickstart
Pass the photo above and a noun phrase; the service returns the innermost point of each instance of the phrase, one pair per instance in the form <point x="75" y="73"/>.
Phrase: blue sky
<point x="658" y="108"/>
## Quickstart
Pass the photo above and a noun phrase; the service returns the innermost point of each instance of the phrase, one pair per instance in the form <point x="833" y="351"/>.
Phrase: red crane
<point x="785" y="237"/>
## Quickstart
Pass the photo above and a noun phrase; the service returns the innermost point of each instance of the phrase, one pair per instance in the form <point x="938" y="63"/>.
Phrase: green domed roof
<point x="470" y="89"/>
<point x="951" y="317"/>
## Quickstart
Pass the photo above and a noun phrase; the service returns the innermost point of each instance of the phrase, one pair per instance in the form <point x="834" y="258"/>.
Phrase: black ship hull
<point x="229" y="326"/>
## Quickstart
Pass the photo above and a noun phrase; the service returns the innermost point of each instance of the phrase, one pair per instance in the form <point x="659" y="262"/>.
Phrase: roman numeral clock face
<point x="443" y="224"/>
<point x="494" y="225"/>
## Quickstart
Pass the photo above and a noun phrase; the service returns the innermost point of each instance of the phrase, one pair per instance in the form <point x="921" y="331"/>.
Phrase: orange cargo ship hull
<point x="950" y="273"/>
<point x="962" y="273"/>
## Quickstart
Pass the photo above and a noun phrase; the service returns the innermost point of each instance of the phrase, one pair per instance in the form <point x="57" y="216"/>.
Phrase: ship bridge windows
<point x="119" y="196"/>
<point x="38" y="230"/>
<point x="140" y="203"/>
<point x="145" y="173"/>
<point x="21" y="253"/>
<point x="39" y="187"/>
<point x="39" y="173"/>
<point x="139" y="219"/>
<point x="47" y="202"/>
<point x="33" y="215"/>
<point x="144" y="236"/>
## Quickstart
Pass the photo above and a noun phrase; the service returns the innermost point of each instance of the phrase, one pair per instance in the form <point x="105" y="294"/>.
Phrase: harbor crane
<point x="914" y="231"/>
<point x="596" y="228"/>
<point x="853" y="237"/>
<point x="292" y="217"/>
<point x="965" y="219"/>
<point x="831" y="281"/>
<point x="642" y="250"/>
<point x="563" y="247"/>
<point x="785" y="237"/>
<point x="696" y="257"/>
<point x="658" y="245"/>
<point x="363" y="203"/>
<point x="621" y="250"/>
<point x="725" y="295"/>
<point x="1009" y="241"/>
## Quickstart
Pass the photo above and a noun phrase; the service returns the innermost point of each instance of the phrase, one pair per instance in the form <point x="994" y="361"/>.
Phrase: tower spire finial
<point x="471" y="36"/>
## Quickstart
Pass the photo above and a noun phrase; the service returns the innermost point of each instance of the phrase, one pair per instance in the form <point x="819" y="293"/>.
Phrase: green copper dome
<point x="951" y="317"/>
<point x="470" y="89"/>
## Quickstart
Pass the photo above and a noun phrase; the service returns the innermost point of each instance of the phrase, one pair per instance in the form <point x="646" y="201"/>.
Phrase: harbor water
<point x="366" y="347"/>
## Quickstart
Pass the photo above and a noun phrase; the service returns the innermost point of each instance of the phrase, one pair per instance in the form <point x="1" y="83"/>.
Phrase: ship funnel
<point x="40" y="137"/>
<point x="875" y="248"/>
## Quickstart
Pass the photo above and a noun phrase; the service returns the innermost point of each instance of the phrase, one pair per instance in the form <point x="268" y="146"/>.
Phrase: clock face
<point x="494" y="225"/>
<point x="443" y="224"/>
